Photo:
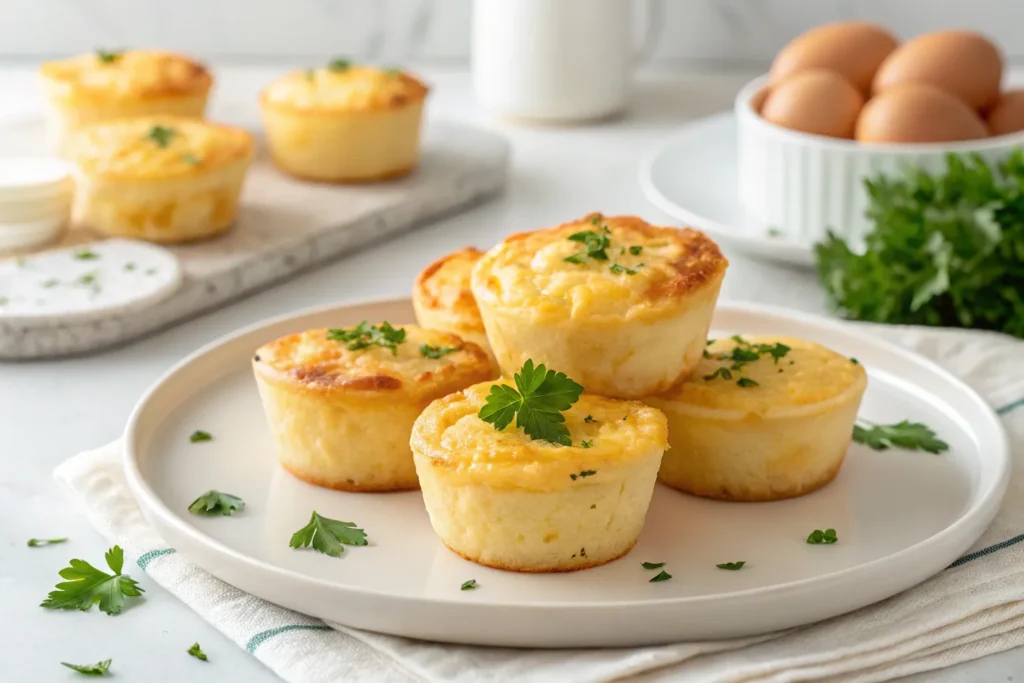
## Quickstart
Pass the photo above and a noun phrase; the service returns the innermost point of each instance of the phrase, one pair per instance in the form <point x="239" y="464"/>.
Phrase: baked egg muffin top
<point x="761" y="374"/>
<point x="342" y="87"/>
<point x="156" y="147"/>
<point x="128" y="74"/>
<point x="598" y="267"/>
<point x="605" y="433"/>
<point x="374" y="358"/>
<point x="445" y="285"/>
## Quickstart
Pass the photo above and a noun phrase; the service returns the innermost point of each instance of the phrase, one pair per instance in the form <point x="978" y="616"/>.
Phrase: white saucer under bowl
<point x="901" y="516"/>
<point x="693" y="178"/>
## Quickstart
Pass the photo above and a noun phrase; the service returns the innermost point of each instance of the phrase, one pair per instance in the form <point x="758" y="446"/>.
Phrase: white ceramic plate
<point x="901" y="516"/>
<point x="693" y="178"/>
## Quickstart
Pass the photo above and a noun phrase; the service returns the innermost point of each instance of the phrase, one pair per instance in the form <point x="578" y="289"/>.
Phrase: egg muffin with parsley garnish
<point x="762" y="418"/>
<point x="443" y="299"/>
<point x="108" y="85"/>
<point x="618" y="304"/>
<point x="162" y="179"/>
<point x="344" y="122"/>
<point x="341" y="402"/>
<point x="532" y="475"/>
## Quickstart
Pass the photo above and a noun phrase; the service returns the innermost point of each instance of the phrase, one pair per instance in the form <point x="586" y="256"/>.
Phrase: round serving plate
<point x="900" y="516"/>
<point x="693" y="177"/>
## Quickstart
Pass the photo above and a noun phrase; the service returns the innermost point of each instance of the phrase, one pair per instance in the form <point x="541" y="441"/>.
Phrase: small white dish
<point x="28" y="235"/>
<point x="407" y="583"/>
<point x="85" y="281"/>
<point x="807" y="185"/>
<point x="693" y="177"/>
<point x="24" y="178"/>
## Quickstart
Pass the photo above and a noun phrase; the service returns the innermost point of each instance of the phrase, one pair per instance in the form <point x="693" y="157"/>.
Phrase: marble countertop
<point x="51" y="410"/>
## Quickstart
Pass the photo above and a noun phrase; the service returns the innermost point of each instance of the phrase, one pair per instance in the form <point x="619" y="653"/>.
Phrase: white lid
<point x="23" y="178"/>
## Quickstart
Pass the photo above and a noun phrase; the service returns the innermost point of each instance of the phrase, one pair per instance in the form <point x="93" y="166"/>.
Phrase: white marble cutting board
<point x="284" y="227"/>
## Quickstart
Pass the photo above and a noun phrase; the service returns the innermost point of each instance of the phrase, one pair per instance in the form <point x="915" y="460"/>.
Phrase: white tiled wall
<point x="712" y="32"/>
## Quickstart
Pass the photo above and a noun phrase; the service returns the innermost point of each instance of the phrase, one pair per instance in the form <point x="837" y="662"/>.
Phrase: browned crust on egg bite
<point x="701" y="263"/>
<point x="540" y="570"/>
<point x="159" y="75"/>
<point x="330" y="368"/>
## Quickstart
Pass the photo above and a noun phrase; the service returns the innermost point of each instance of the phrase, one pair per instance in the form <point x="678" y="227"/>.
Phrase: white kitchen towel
<point x="972" y="609"/>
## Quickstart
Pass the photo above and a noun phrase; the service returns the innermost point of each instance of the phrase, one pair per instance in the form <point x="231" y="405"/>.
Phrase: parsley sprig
<point x="97" y="669"/>
<point x="328" y="536"/>
<point x="339" y="64"/>
<point x="910" y="436"/>
<point x="944" y="249"/>
<point x="161" y="136"/>
<point x="428" y="351"/>
<point x="108" y="56"/>
<point x="197" y="652"/>
<point x="87" y="586"/>
<point x="595" y="245"/>
<point x="364" y="335"/>
<point x="537" y="406"/>
<point x="732" y="566"/>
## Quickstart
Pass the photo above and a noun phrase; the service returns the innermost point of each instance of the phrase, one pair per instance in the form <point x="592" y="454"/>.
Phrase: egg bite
<point x="163" y="179"/>
<point x="443" y="299"/>
<point x="104" y="86"/>
<point x="621" y="306"/>
<point x="344" y="123"/>
<point x="762" y="418"/>
<point x="502" y="499"/>
<point x="341" y="402"/>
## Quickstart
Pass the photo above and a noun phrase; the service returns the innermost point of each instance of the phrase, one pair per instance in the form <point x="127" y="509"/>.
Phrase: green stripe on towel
<point x="264" y="636"/>
<point x="1010" y="407"/>
<point x="146" y="558"/>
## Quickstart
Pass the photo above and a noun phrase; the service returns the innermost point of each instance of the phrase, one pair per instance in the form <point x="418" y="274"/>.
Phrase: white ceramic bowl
<point x="804" y="185"/>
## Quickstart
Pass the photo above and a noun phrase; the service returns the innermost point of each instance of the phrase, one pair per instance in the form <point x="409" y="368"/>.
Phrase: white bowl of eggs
<point x="845" y="102"/>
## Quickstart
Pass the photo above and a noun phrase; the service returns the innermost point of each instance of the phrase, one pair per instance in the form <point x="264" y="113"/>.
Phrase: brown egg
<point x="816" y="101"/>
<point x="1008" y="114"/>
<point x="854" y="49"/>
<point x="963" y="63"/>
<point x="917" y="112"/>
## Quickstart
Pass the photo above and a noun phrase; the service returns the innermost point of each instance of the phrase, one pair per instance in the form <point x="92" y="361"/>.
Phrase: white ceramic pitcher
<point x="557" y="60"/>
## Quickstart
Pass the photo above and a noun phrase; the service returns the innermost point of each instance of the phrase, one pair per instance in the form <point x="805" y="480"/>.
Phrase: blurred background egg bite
<point x="344" y="123"/>
<point x="619" y="305"/>
<point x="341" y="402"/>
<point x="103" y="86"/>
<point x="761" y="419"/>
<point x="443" y="299"/>
<point x="163" y="179"/>
<point x="504" y="500"/>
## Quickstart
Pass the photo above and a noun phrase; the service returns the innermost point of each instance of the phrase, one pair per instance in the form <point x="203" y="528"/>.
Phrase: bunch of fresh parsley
<point x="946" y="249"/>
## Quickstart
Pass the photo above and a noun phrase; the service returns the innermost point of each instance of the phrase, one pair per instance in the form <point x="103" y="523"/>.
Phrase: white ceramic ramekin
<point x="801" y="186"/>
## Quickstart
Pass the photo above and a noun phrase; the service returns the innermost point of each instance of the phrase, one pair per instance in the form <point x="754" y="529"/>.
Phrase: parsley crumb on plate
<point x="97" y="669"/>
<point x="732" y="566"/>
<point x="38" y="542"/>
<point x="215" y="502"/>
<point x="199" y="436"/>
<point x="819" y="537"/>
<point x="652" y="565"/>
<point x="469" y="585"/>
<point x="197" y="652"/>
<point x="662" y="576"/>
